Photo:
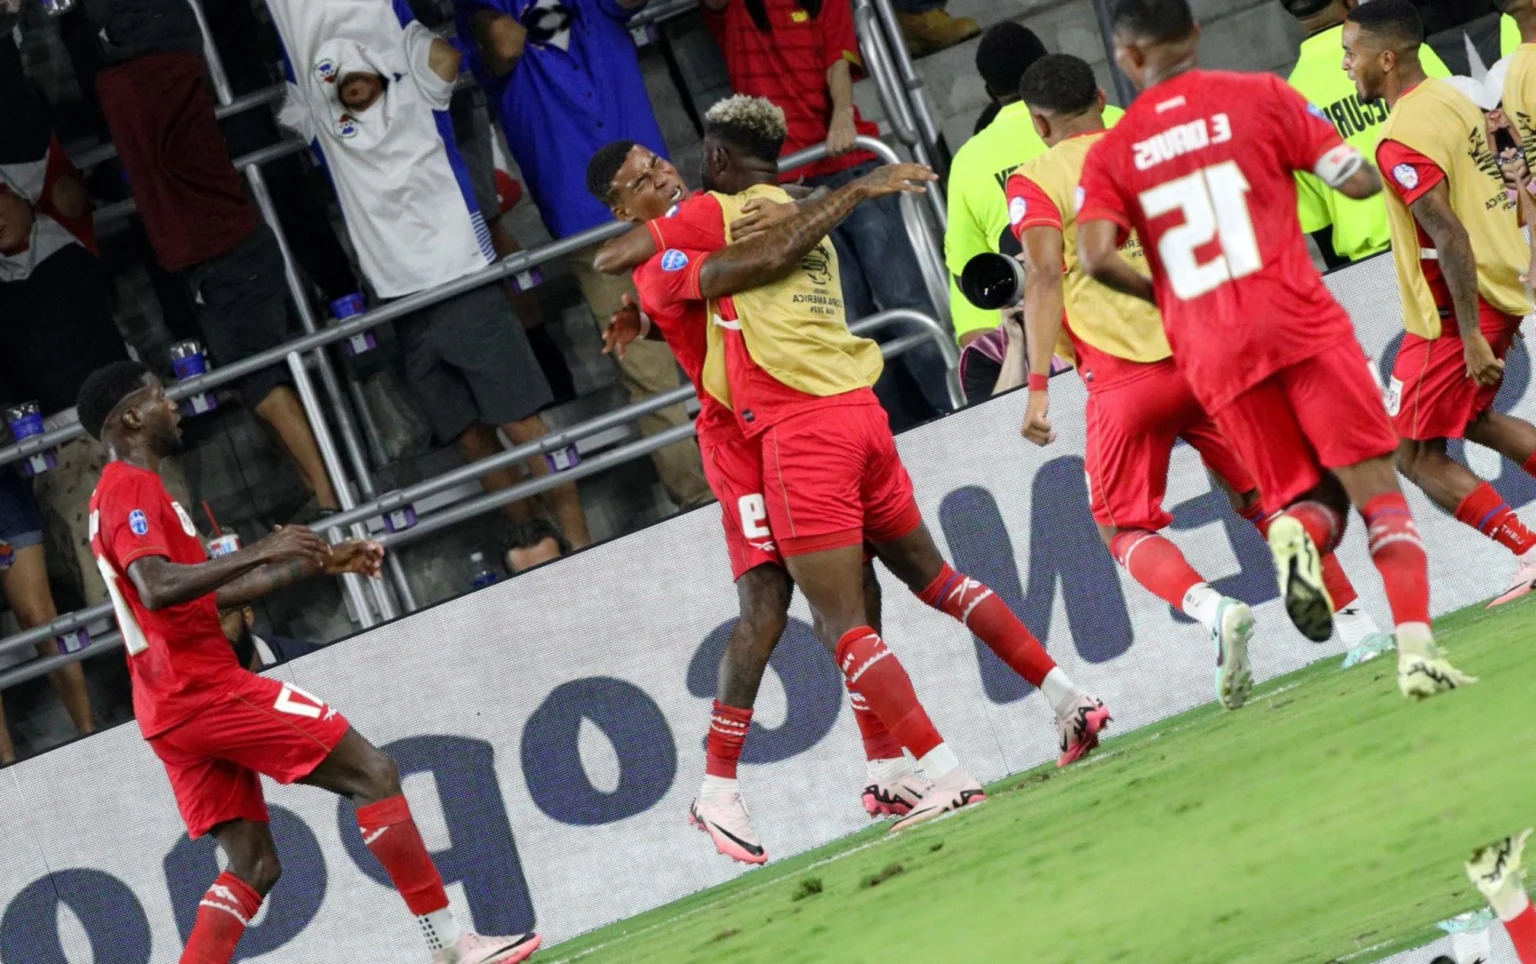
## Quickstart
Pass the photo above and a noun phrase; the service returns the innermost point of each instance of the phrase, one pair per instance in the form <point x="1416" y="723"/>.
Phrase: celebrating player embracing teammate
<point x="217" y="727"/>
<point x="1201" y="168"/>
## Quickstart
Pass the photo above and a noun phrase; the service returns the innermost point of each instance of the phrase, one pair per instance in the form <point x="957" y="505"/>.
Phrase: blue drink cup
<point x="528" y="280"/>
<point x="189" y="361"/>
<point x="26" y="420"/>
<point x="346" y="307"/>
<point x="75" y="640"/>
<point x="223" y="545"/>
<point x="400" y="519"/>
<point x="562" y="459"/>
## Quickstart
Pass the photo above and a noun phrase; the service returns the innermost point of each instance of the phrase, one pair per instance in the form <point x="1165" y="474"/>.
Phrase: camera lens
<point x="992" y="281"/>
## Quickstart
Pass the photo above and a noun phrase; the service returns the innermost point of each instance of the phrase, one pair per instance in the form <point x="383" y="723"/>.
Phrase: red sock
<point x="1254" y="513"/>
<point x="873" y="670"/>
<point x="1340" y="589"/>
<point x="391" y="834"/>
<point x="1399" y="556"/>
<point x="1156" y="563"/>
<point x="991" y="620"/>
<point x="728" y="727"/>
<point x="1322" y="523"/>
<point x="878" y="742"/>
<point x="1522" y="934"/>
<point x="1484" y="510"/>
<point x="222" y="916"/>
<point x="1530" y="465"/>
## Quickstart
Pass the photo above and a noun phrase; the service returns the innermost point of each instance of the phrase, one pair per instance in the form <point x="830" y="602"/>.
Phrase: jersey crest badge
<point x="186" y="520"/>
<point x="138" y="522"/>
<point x="1405" y="175"/>
<point x="1017" y="209"/>
<point x="673" y="260"/>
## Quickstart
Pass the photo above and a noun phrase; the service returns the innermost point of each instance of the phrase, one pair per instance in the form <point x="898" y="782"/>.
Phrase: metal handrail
<point x="911" y="89"/>
<point x="879" y="69"/>
<point x="41" y="666"/>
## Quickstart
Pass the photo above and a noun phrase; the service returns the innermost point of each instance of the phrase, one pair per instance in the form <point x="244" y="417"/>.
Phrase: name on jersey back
<point x="1182" y="139"/>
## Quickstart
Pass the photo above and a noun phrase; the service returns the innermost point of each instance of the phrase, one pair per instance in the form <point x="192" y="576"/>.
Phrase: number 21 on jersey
<point x="1214" y="203"/>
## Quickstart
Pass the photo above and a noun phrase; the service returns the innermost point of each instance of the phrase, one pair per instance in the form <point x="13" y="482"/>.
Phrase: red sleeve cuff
<point x="139" y="553"/>
<point x="1103" y="214"/>
<point x="691" y="280"/>
<point x="654" y="227"/>
<point x="1044" y="221"/>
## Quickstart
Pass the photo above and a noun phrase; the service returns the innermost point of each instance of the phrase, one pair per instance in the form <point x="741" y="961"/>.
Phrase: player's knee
<point x="257" y="864"/>
<point x="381" y="776"/>
<point x="1410" y="461"/>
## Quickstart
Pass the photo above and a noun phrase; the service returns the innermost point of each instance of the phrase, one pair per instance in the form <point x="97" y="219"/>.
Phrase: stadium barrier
<point x="550" y="727"/>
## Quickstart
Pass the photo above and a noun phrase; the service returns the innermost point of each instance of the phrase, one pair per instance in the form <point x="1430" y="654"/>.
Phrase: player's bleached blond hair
<point x="755" y="124"/>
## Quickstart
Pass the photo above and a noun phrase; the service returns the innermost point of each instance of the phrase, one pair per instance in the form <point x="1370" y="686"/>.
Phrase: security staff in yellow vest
<point x="1359" y="228"/>
<point x="1459" y="255"/>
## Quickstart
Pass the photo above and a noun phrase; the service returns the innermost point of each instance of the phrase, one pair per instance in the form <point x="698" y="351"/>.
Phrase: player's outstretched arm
<point x="1459" y="266"/>
<point x="1100" y="257"/>
<point x="1044" y="302"/>
<point x="626" y="252"/>
<point x="355" y="555"/>
<point x="162" y="583"/>
<point x="769" y="256"/>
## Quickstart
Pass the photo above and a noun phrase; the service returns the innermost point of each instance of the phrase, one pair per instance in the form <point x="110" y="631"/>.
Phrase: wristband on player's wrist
<point x="645" y="325"/>
<point x="1039" y="383"/>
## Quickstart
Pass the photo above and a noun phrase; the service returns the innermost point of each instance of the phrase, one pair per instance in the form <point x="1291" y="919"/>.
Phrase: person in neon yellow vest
<point x="1359" y="227"/>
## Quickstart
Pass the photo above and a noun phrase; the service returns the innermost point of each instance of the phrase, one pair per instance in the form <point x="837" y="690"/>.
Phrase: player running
<point x="1459" y="254"/>
<point x="1139" y="404"/>
<point x="216" y="726"/>
<point x="799" y="383"/>
<point x="641" y="186"/>
<point x="1263" y="344"/>
<point x="1497" y="872"/>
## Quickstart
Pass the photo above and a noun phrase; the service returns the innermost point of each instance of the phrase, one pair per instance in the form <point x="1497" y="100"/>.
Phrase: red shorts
<point x="1131" y="429"/>
<point x="1430" y="395"/>
<point x="733" y="467"/>
<point x="260" y="726"/>
<point x="832" y="478"/>
<point x="1323" y="412"/>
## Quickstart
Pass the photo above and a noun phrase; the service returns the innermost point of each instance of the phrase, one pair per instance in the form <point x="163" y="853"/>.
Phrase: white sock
<point x="1415" y="639"/>
<point x="440" y="929"/>
<point x="1510" y="903"/>
<point x="1353" y="625"/>
<point x="938" y="761"/>
<point x="888" y="770"/>
<point x="1059" y="691"/>
<point x="1201" y="603"/>
<point x="714" y="786"/>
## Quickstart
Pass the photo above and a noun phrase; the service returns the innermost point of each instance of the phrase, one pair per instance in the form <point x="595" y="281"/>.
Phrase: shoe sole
<point x="1510" y="595"/>
<point x="878" y="809"/>
<point x="725" y="844"/>
<point x="519" y="953"/>
<point x="965" y="800"/>
<point x="1097" y="721"/>
<point x="1301" y="579"/>
<point x="1234" y="674"/>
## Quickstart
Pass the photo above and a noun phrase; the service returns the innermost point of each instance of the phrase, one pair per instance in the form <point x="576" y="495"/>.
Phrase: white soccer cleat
<point x="1299" y="567"/>
<point x="1368" y="649"/>
<point x="1230" y="634"/>
<point x="1078" y="729"/>
<point x="893" y="795"/>
<point x="1523" y="582"/>
<point x="724" y="817"/>
<point x="472" y="948"/>
<point x="1422" y="667"/>
<point x="1496" y="870"/>
<point x="952" y="791"/>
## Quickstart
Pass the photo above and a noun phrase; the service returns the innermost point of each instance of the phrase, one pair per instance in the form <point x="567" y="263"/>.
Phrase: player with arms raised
<point x="1457" y="248"/>
<point x="1202" y="169"/>
<point x="641" y="186"/>
<point x="214" y="725"/>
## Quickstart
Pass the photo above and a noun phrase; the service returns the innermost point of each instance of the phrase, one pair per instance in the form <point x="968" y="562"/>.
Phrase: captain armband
<point x="1338" y="165"/>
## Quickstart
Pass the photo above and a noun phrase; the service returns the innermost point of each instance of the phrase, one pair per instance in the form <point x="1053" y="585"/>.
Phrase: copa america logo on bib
<point x="1016" y="209"/>
<point x="138" y="522"/>
<point x="673" y="260"/>
<point x="325" y="71"/>
<point x="1405" y="175"/>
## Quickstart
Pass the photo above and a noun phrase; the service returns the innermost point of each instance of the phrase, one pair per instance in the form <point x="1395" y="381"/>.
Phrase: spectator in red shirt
<point x="802" y="54"/>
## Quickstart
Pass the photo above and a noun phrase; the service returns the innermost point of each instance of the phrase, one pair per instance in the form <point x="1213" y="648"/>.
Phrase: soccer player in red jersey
<point x="216" y="726"/>
<point x="1139" y="405"/>
<point x="641" y="186"/>
<point x="799" y="384"/>
<point x="1201" y="168"/>
<point x="1459" y="255"/>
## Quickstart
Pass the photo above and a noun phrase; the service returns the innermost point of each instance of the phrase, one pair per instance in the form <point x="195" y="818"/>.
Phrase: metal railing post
<point x="913" y="89"/>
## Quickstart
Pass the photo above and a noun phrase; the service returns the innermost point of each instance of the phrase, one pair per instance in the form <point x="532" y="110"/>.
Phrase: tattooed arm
<point x="356" y="556"/>
<point x="1459" y="267"/>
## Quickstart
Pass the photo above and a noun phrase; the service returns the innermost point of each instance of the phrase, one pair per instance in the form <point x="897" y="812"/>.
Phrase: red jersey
<point x="1411" y="175"/>
<point x="178" y="657"/>
<point x="1201" y="168"/>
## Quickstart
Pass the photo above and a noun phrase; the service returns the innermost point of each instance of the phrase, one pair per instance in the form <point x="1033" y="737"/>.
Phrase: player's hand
<point x="361" y="556"/>
<point x="841" y="133"/>
<point x="294" y="542"/>
<point x="758" y="215"/>
<point x="1482" y="366"/>
<point x="1037" y="422"/>
<point x="896" y="179"/>
<point x="623" y="327"/>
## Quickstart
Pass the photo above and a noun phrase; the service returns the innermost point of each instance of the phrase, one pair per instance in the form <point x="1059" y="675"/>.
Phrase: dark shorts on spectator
<point x="21" y="525"/>
<point x="242" y="309"/>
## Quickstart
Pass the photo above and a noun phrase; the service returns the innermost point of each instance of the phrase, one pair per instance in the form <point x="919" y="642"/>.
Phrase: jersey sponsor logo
<point x="1017" y="208"/>
<point x="1182" y="139"/>
<point x="673" y="260"/>
<point x="1405" y="175"/>
<point x="138" y="522"/>
<point x="186" y="520"/>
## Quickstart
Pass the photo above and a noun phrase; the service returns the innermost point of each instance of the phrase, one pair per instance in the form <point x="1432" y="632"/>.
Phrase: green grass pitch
<point x="1325" y="821"/>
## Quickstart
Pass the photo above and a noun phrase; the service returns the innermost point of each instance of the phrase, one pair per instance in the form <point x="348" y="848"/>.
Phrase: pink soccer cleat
<point x="951" y="791"/>
<point x="1079" y="728"/>
<point x="472" y="948"/>
<point x="725" y="819"/>
<point x="893" y="795"/>
<point x="1523" y="582"/>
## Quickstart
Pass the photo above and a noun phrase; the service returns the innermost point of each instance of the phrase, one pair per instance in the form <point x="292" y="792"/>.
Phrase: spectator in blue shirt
<point x="564" y="79"/>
